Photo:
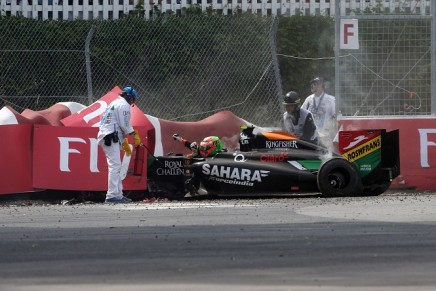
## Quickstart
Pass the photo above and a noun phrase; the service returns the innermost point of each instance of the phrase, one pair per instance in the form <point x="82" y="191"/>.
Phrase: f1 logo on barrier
<point x="349" y="34"/>
<point x="70" y="158"/>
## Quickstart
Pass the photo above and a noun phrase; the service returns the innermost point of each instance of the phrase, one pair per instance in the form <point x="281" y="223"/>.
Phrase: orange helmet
<point x="210" y="146"/>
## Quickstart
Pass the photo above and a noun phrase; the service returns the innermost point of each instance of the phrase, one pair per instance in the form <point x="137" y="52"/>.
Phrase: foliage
<point x="301" y="42"/>
<point x="298" y="36"/>
<point x="30" y="48"/>
<point x="47" y="58"/>
<point x="197" y="54"/>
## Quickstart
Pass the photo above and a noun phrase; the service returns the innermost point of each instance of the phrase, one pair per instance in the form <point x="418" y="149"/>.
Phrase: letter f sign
<point x="349" y="34"/>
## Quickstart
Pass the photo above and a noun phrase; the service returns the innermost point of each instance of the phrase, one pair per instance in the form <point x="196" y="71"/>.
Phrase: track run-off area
<point x="386" y="242"/>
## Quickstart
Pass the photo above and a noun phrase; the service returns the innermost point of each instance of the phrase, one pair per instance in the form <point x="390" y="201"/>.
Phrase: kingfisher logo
<point x="230" y="175"/>
<point x="363" y="150"/>
<point x="280" y="144"/>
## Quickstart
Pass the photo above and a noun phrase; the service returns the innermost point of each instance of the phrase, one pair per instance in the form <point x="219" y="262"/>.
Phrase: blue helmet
<point x="129" y="92"/>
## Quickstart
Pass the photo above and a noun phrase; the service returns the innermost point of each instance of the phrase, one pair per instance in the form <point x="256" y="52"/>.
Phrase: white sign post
<point x="349" y="35"/>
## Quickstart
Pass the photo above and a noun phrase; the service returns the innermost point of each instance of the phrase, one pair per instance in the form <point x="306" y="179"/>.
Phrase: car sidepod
<point x="255" y="173"/>
<point x="169" y="176"/>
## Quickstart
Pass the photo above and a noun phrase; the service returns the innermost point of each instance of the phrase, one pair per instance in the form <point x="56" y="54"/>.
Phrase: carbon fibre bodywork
<point x="278" y="163"/>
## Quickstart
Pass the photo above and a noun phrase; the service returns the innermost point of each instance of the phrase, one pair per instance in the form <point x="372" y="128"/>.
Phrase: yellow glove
<point x="126" y="147"/>
<point x="136" y="138"/>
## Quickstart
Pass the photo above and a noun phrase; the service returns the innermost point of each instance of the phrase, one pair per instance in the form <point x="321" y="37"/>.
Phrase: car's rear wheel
<point x="380" y="189"/>
<point x="337" y="177"/>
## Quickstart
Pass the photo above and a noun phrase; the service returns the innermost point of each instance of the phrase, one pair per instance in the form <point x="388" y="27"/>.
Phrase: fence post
<point x="275" y="63"/>
<point x="433" y="60"/>
<point x="88" y="64"/>
<point x="337" y="52"/>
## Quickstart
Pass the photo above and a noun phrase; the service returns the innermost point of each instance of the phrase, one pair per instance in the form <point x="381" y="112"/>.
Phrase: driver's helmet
<point x="292" y="98"/>
<point x="210" y="146"/>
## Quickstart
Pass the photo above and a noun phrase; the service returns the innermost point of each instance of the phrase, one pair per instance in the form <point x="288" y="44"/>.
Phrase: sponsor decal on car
<point x="363" y="150"/>
<point x="231" y="175"/>
<point x="239" y="157"/>
<point x="280" y="144"/>
<point x="171" y="168"/>
<point x="283" y="157"/>
<point x="365" y="168"/>
<point x="356" y="141"/>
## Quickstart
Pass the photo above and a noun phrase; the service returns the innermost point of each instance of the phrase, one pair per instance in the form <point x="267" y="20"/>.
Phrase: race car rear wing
<point x="374" y="152"/>
<point x="391" y="151"/>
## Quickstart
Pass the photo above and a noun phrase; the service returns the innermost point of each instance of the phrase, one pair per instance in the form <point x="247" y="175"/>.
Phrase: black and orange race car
<point x="278" y="163"/>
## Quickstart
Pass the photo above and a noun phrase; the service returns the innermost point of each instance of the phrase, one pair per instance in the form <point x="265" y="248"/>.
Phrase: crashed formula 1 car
<point x="278" y="163"/>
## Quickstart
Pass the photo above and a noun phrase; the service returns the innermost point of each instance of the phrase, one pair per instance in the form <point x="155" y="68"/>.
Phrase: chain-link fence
<point x="390" y="73"/>
<point x="184" y="68"/>
<point x="193" y="67"/>
<point x="40" y="65"/>
<point x="187" y="68"/>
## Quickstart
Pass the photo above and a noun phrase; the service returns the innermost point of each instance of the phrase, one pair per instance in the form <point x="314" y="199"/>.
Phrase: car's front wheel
<point x="337" y="177"/>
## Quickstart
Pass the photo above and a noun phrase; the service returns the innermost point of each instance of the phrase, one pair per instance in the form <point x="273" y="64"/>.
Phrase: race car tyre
<point x="338" y="178"/>
<point x="379" y="190"/>
<point x="164" y="190"/>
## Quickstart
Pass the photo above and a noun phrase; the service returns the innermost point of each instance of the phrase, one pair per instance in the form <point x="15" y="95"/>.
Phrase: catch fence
<point x="187" y="68"/>
<point x="391" y="72"/>
<point x="184" y="69"/>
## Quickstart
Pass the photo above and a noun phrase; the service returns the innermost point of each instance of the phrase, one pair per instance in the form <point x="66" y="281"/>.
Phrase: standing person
<point x="114" y="127"/>
<point x="296" y="120"/>
<point x="323" y="108"/>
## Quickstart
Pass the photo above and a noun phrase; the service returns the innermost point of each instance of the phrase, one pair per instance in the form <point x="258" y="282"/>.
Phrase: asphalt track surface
<point x="305" y="243"/>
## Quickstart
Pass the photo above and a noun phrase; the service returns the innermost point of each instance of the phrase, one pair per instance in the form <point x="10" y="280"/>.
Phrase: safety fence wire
<point x="390" y="74"/>
<point x="194" y="66"/>
<point x="39" y="66"/>
<point x="184" y="68"/>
